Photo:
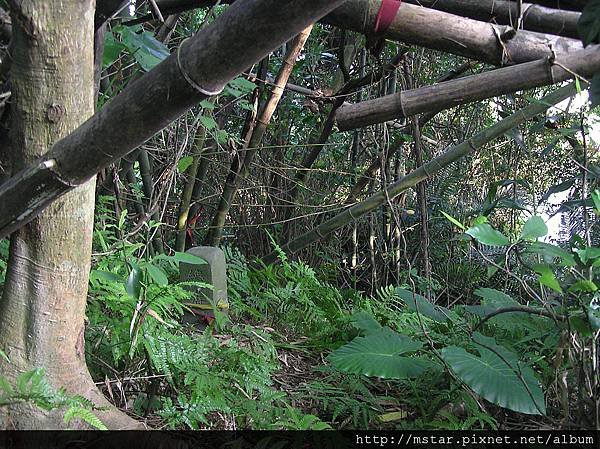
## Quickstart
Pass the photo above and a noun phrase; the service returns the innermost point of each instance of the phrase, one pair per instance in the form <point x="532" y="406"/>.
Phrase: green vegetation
<point x="468" y="299"/>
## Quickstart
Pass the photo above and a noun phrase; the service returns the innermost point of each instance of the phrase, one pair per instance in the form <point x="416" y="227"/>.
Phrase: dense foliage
<point x="471" y="303"/>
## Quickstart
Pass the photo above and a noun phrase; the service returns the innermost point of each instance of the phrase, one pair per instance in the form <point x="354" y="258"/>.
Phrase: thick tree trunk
<point x="204" y="64"/>
<point x="470" y="88"/>
<point x="42" y="309"/>
<point x="427" y="170"/>
<point x="504" y="12"/>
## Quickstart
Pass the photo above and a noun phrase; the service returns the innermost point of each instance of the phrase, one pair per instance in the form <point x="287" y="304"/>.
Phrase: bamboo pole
<point x="188" y="190"/>
<point x="425" y="171"/>
<point x="438" y="30"/>
<point x="237" y="174"/>
<point x="201" y="67"/>
<point x="472" y="88"/>
<point x="535" y="17"/>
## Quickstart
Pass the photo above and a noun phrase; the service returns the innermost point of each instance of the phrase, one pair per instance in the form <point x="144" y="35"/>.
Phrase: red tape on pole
<point x="386" y="15"/>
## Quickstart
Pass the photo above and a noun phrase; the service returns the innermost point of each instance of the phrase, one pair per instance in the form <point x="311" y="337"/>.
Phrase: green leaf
<point x="184" y="163"/>
<point x="552" y="252"/>
<point x="419" y="303"/>
<point x="209" y="122"/>
<point x="509" y="203"/>
<point x="487" y="235"/>
<point x="188" y="258"/>
<point x="157" y="275"/>
<point x="502" y="380"/>
<point x="588" y="254"/>
<point x="78" y="412"/>
<point x="4" y="356"/>
<point x="206" y="104"/>
<point x="589" y="23"/>
<point x="547" y="277"/>
<point x="534" y="229"/>
<point x="378" y="355"/>
<point x="583" y="285"/>
<point x="242" y="85"/>
<point x="106" y="276"/>
<point x="454" y="221"/>
<point x="133" y="284"/>
<point x="596" y="199"/>
<point x="365" y="322"/>
<point x="147" y="51"/>
<point x="112" y="50"/>
<point x="493" y="300"/>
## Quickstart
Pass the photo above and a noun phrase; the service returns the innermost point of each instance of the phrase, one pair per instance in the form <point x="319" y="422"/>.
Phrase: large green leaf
<point x="419" y="303"/>
<point x="534" y="229"/>
<point x="487" y="235"/>
<point x="112" y="49"/>
<point x="378" y="354"/>
<point x="546" y="277"/>
<point x="157" y="275"/>
<point x="497" y="375"/>
<point x="188" y="258"/>
<point x="365" y="322"/>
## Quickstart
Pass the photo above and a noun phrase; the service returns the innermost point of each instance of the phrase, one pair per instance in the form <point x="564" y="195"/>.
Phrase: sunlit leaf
<point x="378" y="355"/>
<point x="534" y="229"/>
<point x="487" y="235"/>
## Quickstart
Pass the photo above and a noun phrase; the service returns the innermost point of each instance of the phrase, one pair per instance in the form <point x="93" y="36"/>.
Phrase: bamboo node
<point x="319" y="233"/>
<point x="52" y="166"/>
<point x="189" y="80"/>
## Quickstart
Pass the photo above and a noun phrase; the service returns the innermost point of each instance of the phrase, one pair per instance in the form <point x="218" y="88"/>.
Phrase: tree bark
<point x="42" y="309"/>
<point x="471" y="88"/>
<point x="427" y="170"/>
<point x="504" y="12"/>
<point x="132" y="117"/>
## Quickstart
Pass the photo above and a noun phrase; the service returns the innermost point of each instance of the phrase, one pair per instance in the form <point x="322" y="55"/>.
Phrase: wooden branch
<point x="472" y="88"/>
<point x="535" y="17"/>
<point x="471" y="145"/>
<point x="242" y="35"/>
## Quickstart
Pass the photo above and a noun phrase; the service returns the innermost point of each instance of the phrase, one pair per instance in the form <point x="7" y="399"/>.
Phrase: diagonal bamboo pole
<point x="237" y="174"/>
<point x="201" y="67"/>
<point x="425" y="171"/>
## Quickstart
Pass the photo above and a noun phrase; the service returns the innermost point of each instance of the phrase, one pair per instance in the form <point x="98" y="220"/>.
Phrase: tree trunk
<point x="433" y="166"/>
<point x="42" y="309"/>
